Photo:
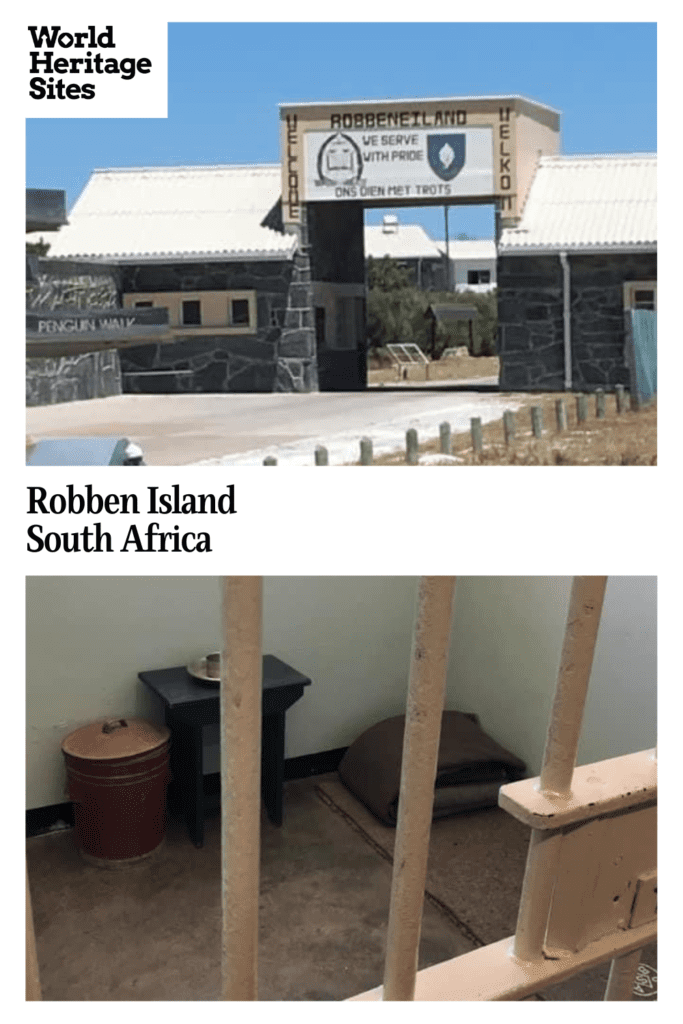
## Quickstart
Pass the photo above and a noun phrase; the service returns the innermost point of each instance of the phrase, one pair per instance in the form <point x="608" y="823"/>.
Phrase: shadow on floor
<point x="152" y="931"/>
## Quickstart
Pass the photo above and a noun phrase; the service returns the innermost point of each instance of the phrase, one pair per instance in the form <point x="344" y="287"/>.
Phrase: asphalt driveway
<point x="232" y="429"/>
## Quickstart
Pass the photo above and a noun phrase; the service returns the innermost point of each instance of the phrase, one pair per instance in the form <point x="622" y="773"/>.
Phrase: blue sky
<point x="226" y="81"/>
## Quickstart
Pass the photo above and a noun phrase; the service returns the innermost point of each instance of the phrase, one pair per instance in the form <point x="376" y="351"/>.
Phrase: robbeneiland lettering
<point x="398" y="119"/>
<point x="45" y="60"/>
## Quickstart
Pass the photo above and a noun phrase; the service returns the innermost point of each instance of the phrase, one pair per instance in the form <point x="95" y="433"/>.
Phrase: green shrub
<point x="396" y="313"/>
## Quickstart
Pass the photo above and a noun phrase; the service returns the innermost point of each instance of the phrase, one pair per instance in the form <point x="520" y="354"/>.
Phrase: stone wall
<point x="531" y="320"/>
<point x="70" y="378"/>
<point x="279" y="356"/>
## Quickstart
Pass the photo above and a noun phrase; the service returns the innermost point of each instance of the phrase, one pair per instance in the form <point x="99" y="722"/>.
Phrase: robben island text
<point x="93" y="538"/>
<point x="49" y="40"/>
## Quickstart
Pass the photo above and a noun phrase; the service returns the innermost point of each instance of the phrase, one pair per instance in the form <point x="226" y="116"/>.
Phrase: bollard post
<point x="537" y="420"/>
<point x="600" y="404"/>
<point x="621" y="397"/>
<point x="411" y="447"/>
<point x="365" y="451"/>
<point x="445" y="438"/>
<point x="560" y="415"/>
<point x="509" y="426"/>
<point x="321" y="456"/>
<point x="581" y="408"/>
<point x="477" y="437"/>
<point x="270" y="460"/>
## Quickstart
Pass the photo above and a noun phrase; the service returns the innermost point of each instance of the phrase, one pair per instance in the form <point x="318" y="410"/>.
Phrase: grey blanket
<point x="471" y="766"/>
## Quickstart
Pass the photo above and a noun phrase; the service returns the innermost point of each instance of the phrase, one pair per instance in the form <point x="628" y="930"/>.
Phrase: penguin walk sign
<point x="412" y="164"/>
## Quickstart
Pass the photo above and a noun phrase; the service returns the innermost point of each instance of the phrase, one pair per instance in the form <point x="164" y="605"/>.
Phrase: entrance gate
<point x="338" y="159"/>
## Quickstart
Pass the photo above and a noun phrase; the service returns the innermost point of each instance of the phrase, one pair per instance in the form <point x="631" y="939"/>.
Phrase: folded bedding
<point x="471" y="767"/>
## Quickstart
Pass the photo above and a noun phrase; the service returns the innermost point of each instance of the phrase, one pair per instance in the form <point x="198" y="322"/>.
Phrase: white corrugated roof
<point x="469" y="249"/>
<point x="588" y="203"/>
<point x="409" y="242"/>
<point x="175" y="212"/>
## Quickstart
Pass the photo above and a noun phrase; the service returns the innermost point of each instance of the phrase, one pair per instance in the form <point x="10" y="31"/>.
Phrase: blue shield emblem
<point x="446" y="154"/>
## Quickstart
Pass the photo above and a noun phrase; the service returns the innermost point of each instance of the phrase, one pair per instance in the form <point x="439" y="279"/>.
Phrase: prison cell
<point x="589" y="893"/>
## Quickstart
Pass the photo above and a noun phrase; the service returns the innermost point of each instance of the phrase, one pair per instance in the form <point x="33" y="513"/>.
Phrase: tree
<point x="387" y="275"/>
<point x="396" y="313"/>
<point x="39" y="248"/>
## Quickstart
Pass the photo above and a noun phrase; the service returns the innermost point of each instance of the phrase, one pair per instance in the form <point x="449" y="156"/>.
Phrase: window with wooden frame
<point x="202" y="312"/>
<point x="640" y="295"/>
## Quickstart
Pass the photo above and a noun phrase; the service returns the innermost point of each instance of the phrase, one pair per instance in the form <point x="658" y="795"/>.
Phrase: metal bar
<point x="537" y="894"/>
<point x="240" y="700"/>
<point x="491" y="973"/>
<point x="426" y="690"/>
<point x="33" y="991"/>
<point x="564" y="727"/>
<point x="622" y="974"/>
<point x="559" y="758"/>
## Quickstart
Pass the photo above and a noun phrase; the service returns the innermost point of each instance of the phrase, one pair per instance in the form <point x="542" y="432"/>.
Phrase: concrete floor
<point x="152" y="932"/>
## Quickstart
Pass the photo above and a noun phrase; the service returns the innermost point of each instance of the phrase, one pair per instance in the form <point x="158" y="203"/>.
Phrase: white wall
<point x="460" y="268"/>
<point x="88" y="637"/>
<point x="505" y="653"/>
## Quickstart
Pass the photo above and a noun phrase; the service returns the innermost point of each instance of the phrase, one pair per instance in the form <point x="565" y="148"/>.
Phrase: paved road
<point x="241" y="429"/>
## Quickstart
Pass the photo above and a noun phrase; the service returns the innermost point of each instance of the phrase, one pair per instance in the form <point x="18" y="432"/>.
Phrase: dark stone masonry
<point x="531" y="320"/>
<point x="278" y="356"/>
<point x="71" y="378"/>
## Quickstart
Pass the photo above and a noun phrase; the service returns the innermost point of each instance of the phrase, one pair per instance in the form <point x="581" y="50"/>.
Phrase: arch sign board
<point x="414" y="152"/>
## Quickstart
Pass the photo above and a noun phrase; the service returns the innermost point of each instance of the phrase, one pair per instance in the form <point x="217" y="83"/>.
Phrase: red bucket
<point x="117" y="773"/>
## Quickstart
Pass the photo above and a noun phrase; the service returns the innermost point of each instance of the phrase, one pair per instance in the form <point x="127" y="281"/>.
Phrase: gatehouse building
<point x="262" y="268"/>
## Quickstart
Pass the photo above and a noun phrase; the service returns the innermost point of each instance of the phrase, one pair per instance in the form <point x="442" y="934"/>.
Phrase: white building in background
<point x="411" y="247"/>
<point x="472" y="262"/>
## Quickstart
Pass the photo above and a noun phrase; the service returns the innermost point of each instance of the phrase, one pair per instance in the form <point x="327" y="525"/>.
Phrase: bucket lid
<point x="115" y="737"/>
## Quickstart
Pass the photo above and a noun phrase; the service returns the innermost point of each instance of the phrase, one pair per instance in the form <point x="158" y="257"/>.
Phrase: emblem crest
<point x="339" y="161"/>
<point x="446" y="154"/>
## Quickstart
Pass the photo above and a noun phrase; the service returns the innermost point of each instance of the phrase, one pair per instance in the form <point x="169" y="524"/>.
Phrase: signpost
<point x="62" y="332"/>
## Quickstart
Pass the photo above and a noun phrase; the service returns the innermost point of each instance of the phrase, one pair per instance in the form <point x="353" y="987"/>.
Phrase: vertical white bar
<point x="240" y="699"/>
<point x="564" y="727"/>
<point x="537" y="894"/>
<point x="622" y="974"/>
<point x="33" y="991"/>
<point x="426" y="691"/>
<point x="559" y="758"/>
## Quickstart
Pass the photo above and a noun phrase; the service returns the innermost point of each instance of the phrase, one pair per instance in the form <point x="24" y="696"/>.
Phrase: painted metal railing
<point x="589" y="890"/>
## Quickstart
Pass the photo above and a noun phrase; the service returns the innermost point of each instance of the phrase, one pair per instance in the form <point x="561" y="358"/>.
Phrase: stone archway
<point x="338" y="159"/>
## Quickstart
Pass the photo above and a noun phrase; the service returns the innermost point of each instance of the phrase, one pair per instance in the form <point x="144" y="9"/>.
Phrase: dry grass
<point x="620" y="439"/>
<point x="460" y="368"/>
